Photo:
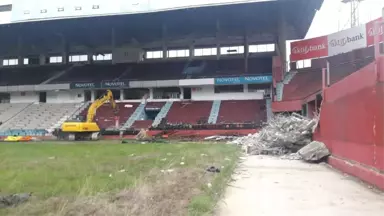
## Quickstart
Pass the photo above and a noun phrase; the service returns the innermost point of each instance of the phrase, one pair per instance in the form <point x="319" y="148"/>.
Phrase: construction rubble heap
<point x="282" y="135"/>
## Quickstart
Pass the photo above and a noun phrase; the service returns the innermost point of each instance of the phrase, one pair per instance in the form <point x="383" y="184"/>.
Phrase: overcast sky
<point x="335" y="16"/>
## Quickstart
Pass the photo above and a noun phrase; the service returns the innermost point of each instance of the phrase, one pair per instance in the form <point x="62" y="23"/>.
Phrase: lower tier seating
<point x="189" y="112"/>
<point x="242" y="111"/>
<point x="40" y="116"/>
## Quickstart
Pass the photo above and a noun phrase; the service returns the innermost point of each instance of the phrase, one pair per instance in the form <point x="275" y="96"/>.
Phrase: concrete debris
<point x="283" y="134"/>
<point x="293" y="156"/>
<point x="220" y="138"/>
<point x="314" y="152"/>
<point x="14" y="199"/>
<point x="143" y="136"/>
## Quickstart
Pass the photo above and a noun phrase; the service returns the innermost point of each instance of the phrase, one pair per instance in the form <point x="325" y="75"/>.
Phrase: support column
<point x="20" y="59"/>
<point x="42" y="59"/>
<point x="218" y="39"/>
<point x="245" y="88"/>
<point x="151" y="93"/>
<point x="113" y="42"/>
<point x="122" y="95"/>
<point x="164" y="40"/>
<point x="90" y="57"/>
<point x="93" y="95"/>
<point x="65" y="50"/>
<point x="192" y="50"/>
<point x="246" y="51"/>
<point x="181" y="93"/>
<point x="282" y="37"/>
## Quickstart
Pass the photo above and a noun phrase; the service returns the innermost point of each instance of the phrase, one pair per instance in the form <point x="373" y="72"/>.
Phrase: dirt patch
<point x="169" y="194"/>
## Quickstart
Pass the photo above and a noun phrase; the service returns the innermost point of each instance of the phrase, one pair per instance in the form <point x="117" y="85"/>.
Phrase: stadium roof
<point x="259" y="17"/>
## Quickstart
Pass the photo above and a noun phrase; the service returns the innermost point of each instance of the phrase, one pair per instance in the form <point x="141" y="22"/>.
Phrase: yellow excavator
<point x="88" y="130"/>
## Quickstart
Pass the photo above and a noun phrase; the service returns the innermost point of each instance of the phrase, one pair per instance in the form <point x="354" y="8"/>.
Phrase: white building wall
<point x="203" y="93"/>
<point x="24" y="97"/>
<point x="65" y="96"/>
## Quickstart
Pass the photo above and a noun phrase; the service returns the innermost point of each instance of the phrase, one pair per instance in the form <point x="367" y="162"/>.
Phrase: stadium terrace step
<point x="214" y="112"/>
<point x="135" y="116"/>
<point x="163" y="113"/>
<point x="9" y="111"/>
<point x="189" y="112"/>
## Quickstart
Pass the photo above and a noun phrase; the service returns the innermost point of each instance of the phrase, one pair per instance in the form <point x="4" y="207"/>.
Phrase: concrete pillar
<point x="246" y="52"/>
<point x="65" y="50"/>
<point x="164" y="40"/>
<point x="90" y="57"/>
<point x="151" y="93"/>
<point x="20" y="58"/>
<point x="218" y="39"/>
<point x="93" y="95"/>
<point x="245" y="88"/>
<point x="181" y="93"/>
<point x="282" y="36"/>
<point x="42" y="59"/>
<point x="192" y="50"/>
<point x="113" y="42"/>
<point x="122" y="95"/>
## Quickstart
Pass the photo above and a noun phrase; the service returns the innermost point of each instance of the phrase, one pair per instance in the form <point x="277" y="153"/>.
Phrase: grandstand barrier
<point x="352" y="123"/>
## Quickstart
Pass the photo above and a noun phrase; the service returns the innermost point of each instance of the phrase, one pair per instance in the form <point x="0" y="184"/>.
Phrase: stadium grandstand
<point x="196" y="66"/>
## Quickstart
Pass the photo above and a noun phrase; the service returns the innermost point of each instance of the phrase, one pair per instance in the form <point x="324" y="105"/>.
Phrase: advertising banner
<point x="115" y="84"/>
<point x="371" y="32"/>
<point x="308" y="49"/>
<point x="243" y="80"/>
<point x="84" y="85"/>
<point x="347" y="40"/>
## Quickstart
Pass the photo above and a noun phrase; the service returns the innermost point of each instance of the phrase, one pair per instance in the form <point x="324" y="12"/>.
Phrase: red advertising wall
<point x="337" y="43"/>
<point x="352" y="124"/>
<point x="308" y="49"/>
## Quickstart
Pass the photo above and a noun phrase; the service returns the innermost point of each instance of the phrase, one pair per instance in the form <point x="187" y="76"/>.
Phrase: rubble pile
<point x="283" y="134"/>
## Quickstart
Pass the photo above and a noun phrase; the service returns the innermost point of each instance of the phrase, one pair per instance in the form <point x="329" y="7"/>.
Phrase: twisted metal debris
<point x="283" y="134"/>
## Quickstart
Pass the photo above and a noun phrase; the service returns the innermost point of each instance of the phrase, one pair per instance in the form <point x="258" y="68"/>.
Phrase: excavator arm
<point x="98" y="103"/>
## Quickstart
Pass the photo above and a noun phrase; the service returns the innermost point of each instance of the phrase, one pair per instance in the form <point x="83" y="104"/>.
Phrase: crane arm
<point x="98" y="103"/>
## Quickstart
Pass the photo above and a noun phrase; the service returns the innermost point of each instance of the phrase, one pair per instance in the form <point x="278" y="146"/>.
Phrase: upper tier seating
<point x="235" y="67"/>
<point x="156" y="71"/>
<point x="105" y="116"/>
<point x="189" y="112"/>
<point x="41" y="116"/>
<point x="7" y="111"/>
<point x="242" y="111"/>
<point x="30" y="75"/>
<point x="92" y="73"/>
<point x="303" y="84"/>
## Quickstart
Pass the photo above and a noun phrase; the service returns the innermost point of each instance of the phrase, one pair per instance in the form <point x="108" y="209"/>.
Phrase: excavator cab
<point x="88" y="129"/>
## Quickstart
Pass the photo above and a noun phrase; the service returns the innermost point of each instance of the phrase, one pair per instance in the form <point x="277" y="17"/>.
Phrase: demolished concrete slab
<point x="283" y="134"/>
<point x="314" y="152"/>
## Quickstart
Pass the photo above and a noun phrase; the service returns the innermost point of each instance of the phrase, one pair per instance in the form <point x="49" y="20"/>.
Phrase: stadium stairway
<point x="57" y="75"/>
<point x="279" y="91"/>
<point x="163" y="113"/>
<point x="214" y="112"/>
<point x="135" y="116"/>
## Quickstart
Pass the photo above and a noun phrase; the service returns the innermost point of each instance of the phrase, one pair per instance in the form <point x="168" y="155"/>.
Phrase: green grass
<point x="83" y="170"/>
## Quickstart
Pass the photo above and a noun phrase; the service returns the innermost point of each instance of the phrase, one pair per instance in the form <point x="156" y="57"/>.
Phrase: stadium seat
<point x="242" y="111"/>
<point x="40" y="116"/>
<point x="30" y="75"/>
<point x="189" y="112"/>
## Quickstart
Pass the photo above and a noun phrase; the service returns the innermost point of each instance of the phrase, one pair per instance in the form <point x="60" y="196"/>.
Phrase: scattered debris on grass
<point x="14" y="199"/>
<point x="213" y="169"/>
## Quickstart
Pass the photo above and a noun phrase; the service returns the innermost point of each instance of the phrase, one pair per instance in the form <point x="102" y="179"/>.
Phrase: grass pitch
<point x="107" y="178"/>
